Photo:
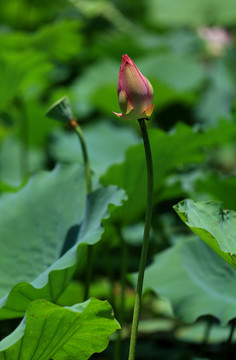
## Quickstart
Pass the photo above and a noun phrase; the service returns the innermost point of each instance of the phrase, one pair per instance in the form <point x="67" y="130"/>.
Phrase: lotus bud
<point x="135" y="92"/>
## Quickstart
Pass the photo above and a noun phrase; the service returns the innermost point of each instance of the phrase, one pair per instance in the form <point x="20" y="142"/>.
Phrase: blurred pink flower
<point x="135" y="92"/>
<point x="216" y="39"/>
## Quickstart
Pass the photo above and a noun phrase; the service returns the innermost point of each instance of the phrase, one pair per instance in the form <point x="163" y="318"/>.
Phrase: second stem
<point x="89" y="188"/>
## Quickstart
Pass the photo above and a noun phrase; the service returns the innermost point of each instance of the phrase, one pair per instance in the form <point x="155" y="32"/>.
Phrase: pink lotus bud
<point x="135" y="92"/>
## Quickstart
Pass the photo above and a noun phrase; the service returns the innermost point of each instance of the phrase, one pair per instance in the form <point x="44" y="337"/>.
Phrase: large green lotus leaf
<point x="217" y="227"/>
<point x="106" y="143"/>
<point x="172" y="152"/>
<point x="52" y="332"/>
<point x="41" y="228"/>
<point x="16" y="161"/>
<point x="195" y="280"/>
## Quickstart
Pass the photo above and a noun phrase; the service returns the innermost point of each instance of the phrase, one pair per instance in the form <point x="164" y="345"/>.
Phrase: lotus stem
<point x="147" y="226"/>
<point x="90" y="254"/>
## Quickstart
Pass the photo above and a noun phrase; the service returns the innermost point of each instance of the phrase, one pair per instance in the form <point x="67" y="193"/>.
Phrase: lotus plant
<point x="61" y="111"/>
<point x="135" y="96"/>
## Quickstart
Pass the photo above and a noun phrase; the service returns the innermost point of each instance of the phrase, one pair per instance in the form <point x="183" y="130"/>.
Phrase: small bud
<point x="135" y="92"/>
<point x="60" y="110"/>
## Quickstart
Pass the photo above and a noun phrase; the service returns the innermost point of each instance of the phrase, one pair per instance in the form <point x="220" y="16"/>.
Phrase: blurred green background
<point x="49" y="49"/>
<point x="186" y="48"/>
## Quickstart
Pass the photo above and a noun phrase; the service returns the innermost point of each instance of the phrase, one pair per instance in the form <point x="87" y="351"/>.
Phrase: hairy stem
<point x="138" y="295"/>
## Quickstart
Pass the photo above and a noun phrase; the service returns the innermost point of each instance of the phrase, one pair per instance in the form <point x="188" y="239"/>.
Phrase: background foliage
<point x="186" y="48"/>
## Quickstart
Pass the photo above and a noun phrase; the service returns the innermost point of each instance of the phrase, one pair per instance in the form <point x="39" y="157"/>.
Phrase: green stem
<point x="124" y="265"/>
<point x="89" y="271"/>
<point x="138" y="295"/>
<point x="229" y="341"/>
<point x="209" y="324"/>
<point x="85" y="157"/>
<point x="121" y="313"/>
<point x="90" y="254"/>
<point x="109" y="268"/>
